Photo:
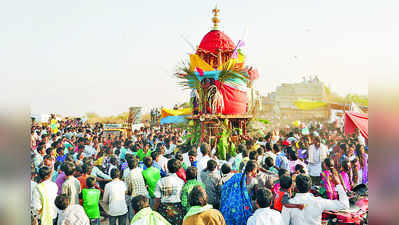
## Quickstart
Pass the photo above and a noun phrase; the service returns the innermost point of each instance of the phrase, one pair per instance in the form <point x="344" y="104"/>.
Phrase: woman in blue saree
<point x="235" y="203"/>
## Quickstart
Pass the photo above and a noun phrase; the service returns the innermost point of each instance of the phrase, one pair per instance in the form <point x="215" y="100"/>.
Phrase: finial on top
<point x="215" y="18"/>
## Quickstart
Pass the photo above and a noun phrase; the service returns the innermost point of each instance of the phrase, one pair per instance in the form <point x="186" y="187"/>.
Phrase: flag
<point x="239" y="45"/>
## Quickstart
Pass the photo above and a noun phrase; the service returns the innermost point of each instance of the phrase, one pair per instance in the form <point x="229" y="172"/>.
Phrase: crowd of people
<point x="80" y="175"/>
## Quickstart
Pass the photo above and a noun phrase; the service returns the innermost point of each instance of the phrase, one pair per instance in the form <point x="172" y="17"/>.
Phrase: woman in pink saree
<point x="326" y="177"/>
<point x="345" y="175"/>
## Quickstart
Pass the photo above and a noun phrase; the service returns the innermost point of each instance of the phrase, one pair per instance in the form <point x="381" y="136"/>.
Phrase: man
<point x="201" y="213"/>
<point x="317" y="153"/>
<point x="191" y="174"/>
<point x="70" y="214"/>
<point x="264" y="215"/>
<point x="202" y="163"/>
<point x="281" y="159"/>
<point x="135" y="182"/>
<point x="311" y="214"/>
<point x="71" y="185"/>
<point x="155" y="162"/>
<point x="192" y="157"/>
<point x="43" y="198"/>
<point x="114" y="196"/>
<point x="151" y="176"/>
<point x="38" y="158"/>
<point x="144" y="152"/>
<point x="144" y="215"/>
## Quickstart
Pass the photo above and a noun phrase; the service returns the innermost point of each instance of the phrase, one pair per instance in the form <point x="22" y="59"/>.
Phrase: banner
<point x="308" y="104"/>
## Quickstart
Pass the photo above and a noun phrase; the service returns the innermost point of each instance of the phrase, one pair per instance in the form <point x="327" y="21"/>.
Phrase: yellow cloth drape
<point x="196" y="61"/>
<point x="308" y="104"/>
<point x="171" y="112"/>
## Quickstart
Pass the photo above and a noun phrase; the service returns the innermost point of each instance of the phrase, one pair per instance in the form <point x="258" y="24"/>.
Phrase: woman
<point x="167" y="195"/>
<point x="326" y="176"/>
<point x="345" y="175"/>
<point x="235" y="204"/>
<point x="210" y="177"/>
<point x="363" y="158"/>
<point x="200" y="212"/>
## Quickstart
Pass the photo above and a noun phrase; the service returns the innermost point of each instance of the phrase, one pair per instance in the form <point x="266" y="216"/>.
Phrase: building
<point x="283" y="100"/>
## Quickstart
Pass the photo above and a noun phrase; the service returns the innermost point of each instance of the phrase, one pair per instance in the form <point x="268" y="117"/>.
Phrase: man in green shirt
<point x="91" y="197"/>
<point x="191" y="175"/>
<point x="151" y="177"/>
<point x="144" y="152"/>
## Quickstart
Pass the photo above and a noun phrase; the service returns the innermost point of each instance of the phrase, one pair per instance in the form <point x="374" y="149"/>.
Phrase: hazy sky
<point x="103" y="56"/>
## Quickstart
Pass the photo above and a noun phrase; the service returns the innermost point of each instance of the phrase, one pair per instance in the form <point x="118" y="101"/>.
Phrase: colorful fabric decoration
<point x="173" y="119"/>
<point x="356" y="120"/>
<point x="201" y="72"/>
<point x="235" y="101"/>
<point x="197" y="62"/>
<point x="171" y="112"/>
<point x="215" y="41"/>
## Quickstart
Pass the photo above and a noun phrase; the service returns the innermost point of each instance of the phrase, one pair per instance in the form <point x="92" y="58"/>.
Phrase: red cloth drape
<point x="355" y="120"/>
<point x="235" y="101"/>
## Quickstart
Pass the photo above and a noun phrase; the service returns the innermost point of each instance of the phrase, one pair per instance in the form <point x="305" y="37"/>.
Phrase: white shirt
<point x="32" y="187"/>
<point x="202" y="163"/>
<point x="362" y="140"/>
<point x="186" y="159"/>
<point x="51" y="191"/>
<point x="265" y="216"/>
<point x="316" y="156"/>
<point x="163" y="162"/>
<point x="270" y="154"/>
<point x="89" y="151"/>
<point x="96" y="172"/>
<point x="311" y="214"/>
<point x="114" y="195"/>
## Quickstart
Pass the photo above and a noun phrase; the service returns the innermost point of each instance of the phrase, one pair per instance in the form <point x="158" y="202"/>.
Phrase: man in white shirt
<point x="317" y="153"/>
<point x="114" y="196"/>
<point x="202" y="162"/>
<point x="70" y="213"/>
<point x="45" y="207"/>
<point x="314" y="206"/>
<point x="264" y="215"/>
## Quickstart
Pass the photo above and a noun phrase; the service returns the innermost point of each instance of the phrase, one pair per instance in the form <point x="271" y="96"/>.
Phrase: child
<point x="264" y="215"/>
<point x="91" y="198"/>
<point x="283" y="195"/>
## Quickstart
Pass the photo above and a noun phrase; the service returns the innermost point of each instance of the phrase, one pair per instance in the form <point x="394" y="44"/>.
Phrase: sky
<point x="72" y="57"/>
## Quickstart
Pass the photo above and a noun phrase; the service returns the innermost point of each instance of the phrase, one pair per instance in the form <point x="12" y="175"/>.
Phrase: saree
<point x="328" y="185"/>
<point x="346" y="183"/>
<point x="365" y="170"/>
<point x="235" y="203"/>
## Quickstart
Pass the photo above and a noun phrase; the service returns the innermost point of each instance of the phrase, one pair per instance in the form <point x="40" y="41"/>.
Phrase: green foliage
<point x="193" y="135"/>
<point x="361" y="100"/>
